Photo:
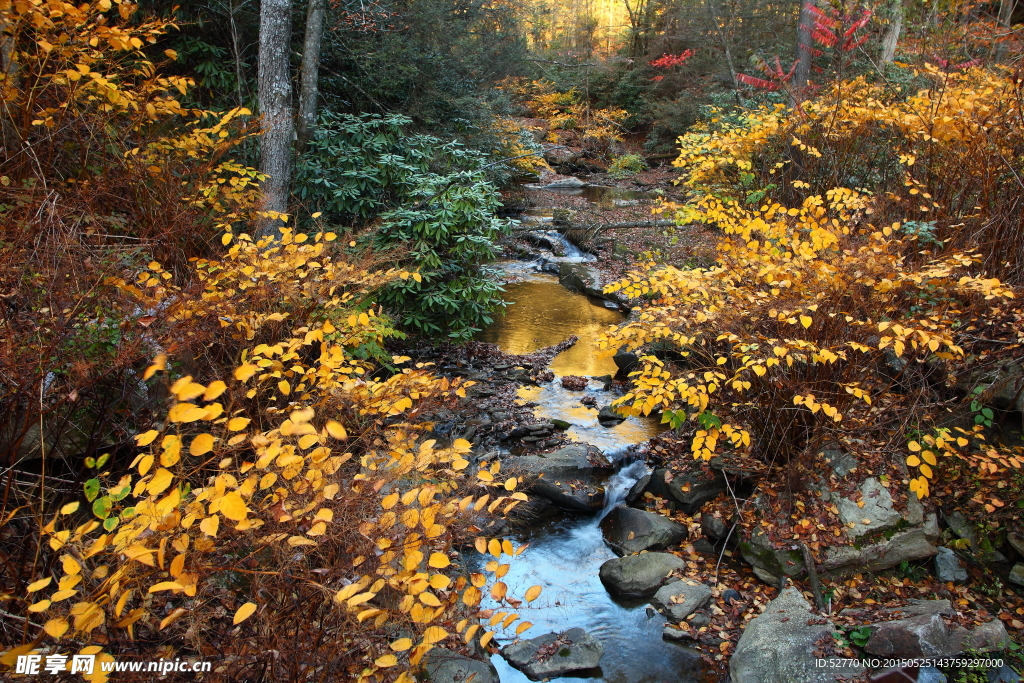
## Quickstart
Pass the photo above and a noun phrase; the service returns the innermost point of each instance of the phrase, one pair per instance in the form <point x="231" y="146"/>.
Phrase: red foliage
<point x="667" y="61"/>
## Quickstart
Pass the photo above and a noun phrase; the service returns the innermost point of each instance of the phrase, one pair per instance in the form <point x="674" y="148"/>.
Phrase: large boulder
<point x="680" y="599"/>
<point x="571" y="477"/>
<point x="581" y="277"/>
<point x="913" y="544"/>
<point x="555" y="654"/>
<point x="921" y="631"/>
<point x="778" y="646"/>
<point x="445" y="666"/>
<point x="628" y="530"/>
<point x="1002" y="386"/>
<point x="570" y="183"/>
<point x="639" y="575"/>
<point x="771" y="562"/>
<point x="873" y="512"/>
<point x="689" y="489"/>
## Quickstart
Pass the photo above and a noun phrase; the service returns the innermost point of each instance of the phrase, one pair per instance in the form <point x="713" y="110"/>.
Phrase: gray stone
<point x="1016" y="542"/>
<point x="842" y="462"/>
<point x="690" y="489"/>
<point x="609" y="417"/>
<point x="877" y="514"/>
<point x="929" y="674"/>
<point x="713" y="527"/>
<point x="639" y="575"/>
<point x="948" y="567"/>
<point x="673" y="633"/>
<point x="445" y="666"/>
<point x="555" y="654"/>
<point x="532" y="511"/>
<point x="1017" y="574"/>
<point x="1002" y="387"/>
<point x="959" y="525"/>
<point x="1003" y="674"/>
<point x="778" y="646"/>
<point x="704" y="547"/>
<point x="680" y="599"/>
<point x="637" y="489"/>
<point x="770" y="563"/>
<point x="927" y="635"/>
<point x="626" y="361"/>
<point x="582" y="277"/>
<point x="913" y="544"/>
<point x="628" y="530"/>
<point x="569" y="183"/>
<point x="570" y="477"/>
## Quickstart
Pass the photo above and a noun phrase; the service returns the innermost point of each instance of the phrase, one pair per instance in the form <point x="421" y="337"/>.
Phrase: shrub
<point x="626" y="165"/>
<point x="428" y="198"/>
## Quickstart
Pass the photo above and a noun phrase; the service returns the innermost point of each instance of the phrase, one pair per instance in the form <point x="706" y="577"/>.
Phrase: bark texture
<point x="310" y="71"/>
<point x="275" y="100"/>
<point x="802" y="73"/>
<point x="892" y="33"/>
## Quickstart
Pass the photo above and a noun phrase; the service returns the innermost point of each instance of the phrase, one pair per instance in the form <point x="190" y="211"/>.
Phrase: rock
<point x="731" y="595"/>
<point x="639" y="575"/>
<point x="959" y="525"/>
<point x="778" y="646"/>
<point x="704" y="547"/>
<point x="841" y="461"/>
<point x="673" y="633"/>
<point x="1016" y="542"/>
<point x="877" y="514"/>
<point x="609" y="417"/>
<point x="560" y="156"/>
<point x="1003" y="386"/>
<point x="637" y="489"/>
<point x="713" y="527"/>
<point x="929" y="674"/>
<point x="913" y="544"/>
<point x="770" y="563"/>
<point x="582" y="277"/>
<point x="570" y="183"/>
<point x="947" y="566"/>
<point x="555" y="654"/>
<point x="680" y="599"/>
<point x="628" y="530"/>
<point x="570" y="477"/>
<point x="445" y="666"/>
<point x="1017" y="574"/>
<point x="1003" y="674"/>
<point x="690" y="489"/>
<point x="532" y="511"/>
<point x="626" y="361"/>
<point x="561" y="424"/>
<point x="925" y="634"/>
<point x="563" y="218"/>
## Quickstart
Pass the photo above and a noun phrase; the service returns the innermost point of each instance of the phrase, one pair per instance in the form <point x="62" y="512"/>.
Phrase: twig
<point x="812" y="574"/>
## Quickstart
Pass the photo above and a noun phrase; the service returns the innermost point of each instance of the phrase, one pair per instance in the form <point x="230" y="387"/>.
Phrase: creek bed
<point x="565" y="553"/>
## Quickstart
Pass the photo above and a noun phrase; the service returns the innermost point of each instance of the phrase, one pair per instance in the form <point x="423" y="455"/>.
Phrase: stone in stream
<point x="680" y="599"/>
<point x="639" y="575"/>
<point x="445" y="666"/>
<point x="690" y="489"/>
<point x="609" y="417"/>
<point x="778" y="646"/>
<point x="555" y="654"/>
<point x="628" y="530"/>
<point x="571" y="477"/>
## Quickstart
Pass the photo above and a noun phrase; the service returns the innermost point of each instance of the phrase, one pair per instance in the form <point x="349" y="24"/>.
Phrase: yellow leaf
<point x="284" y="387"/>
<point x="928" y="457"/>
<point x="214" y="390"/>
<point x="244" y="612"/>
<point x="926" y="470"/>
<point x="244" y="372"/>
<point x="389" y="501"/>
<point x="146" y="438"/>
<point x="532" y="593"/>
<point x="336" y="430"/>
<point x="522" y="627"/>
<point x="913" y="461"/>
<point x="210" y="525"/>
<point x="439" y="561"/>
<point x="40" y="606"/>
<point x="498" y="590"/>
<point x="69" y="508"/>
<point x="401" y="645"/>
<point x="39" y="585"/>
<point x="159" y="363"/>
<point x="386" y="661"/>
<point x="172" y="617"/>
<point x="914" y="446"/>
<point x="160" y="481"/>
<point x="806" y="321"/>
<point x="434" y="634"/>
<point x="201" y="445"/>
<point x="233" y="507"/>
<point x="55" y="628"/>
<point x="165" y="586"/>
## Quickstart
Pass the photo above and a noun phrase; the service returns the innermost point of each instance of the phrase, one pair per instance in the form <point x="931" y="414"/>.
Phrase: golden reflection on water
<point x="545" y="313"/>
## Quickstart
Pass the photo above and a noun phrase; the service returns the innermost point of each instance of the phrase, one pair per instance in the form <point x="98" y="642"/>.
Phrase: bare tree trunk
<point x="310" y="71"/>
<point x="802" y="73"/>
<point x="236" y="49"/>
<point x="892" y="34"/>
<point x="275" y="100"/>
<point x="1006" y="8"/>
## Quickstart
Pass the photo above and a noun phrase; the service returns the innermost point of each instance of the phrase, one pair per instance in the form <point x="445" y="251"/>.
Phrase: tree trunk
<point x="275" y="100"/>
<point x="802" y="73"/>
<point x="892" y="34"/>
<point x="310" y="71"/>
<point x="1006" y="8"/>
<point x="236" y="50"/>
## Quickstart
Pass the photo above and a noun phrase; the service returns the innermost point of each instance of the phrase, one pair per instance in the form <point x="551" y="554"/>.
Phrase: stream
<point x="565" y="552"/>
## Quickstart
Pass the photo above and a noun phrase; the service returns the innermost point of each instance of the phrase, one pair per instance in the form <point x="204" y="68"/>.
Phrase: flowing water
<point x="565" y="554"/>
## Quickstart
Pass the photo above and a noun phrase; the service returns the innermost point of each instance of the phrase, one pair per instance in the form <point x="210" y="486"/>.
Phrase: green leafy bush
<point x="427" y="199"/>
<point x="626" y="165"/>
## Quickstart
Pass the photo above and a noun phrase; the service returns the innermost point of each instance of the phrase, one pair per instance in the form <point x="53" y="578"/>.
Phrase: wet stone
<point x="555" y="654"/>
<point x="628" y="530"/>
<point x="948" y="567"/>
<point x="680" y="599"/>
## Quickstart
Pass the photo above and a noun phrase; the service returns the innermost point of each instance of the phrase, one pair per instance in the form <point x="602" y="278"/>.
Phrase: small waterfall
<point x="619" y="484"/>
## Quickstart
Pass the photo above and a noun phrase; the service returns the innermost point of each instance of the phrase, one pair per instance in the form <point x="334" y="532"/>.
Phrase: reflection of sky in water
<point x="545" y="313"/>
<point x="564" y="558"/>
